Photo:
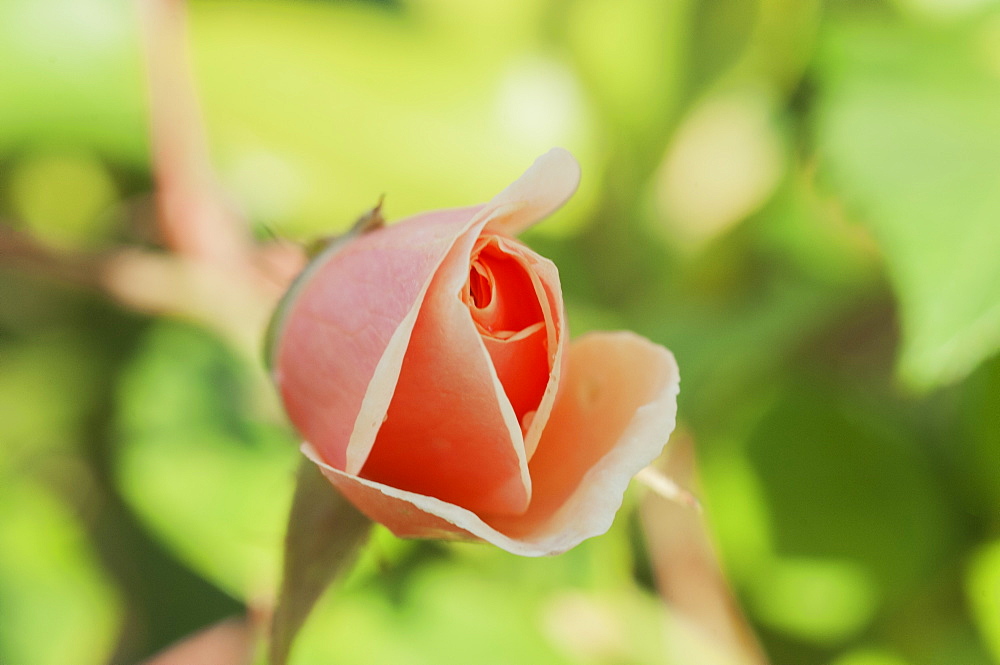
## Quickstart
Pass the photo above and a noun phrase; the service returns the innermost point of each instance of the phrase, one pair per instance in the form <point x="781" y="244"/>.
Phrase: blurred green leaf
<point x="197" y="465"/>
<point x="64" y="199"/>
<point x="810" y="236"/>
<point x="844" y="485"/>
<point x="466" y="611"/>
<point x="870" y="657"/>
<point x="317" y="109"/>
<point x="822" y="600"/>
<point x="720" y="31"/>
<point x="45" y="396"/>
<point x="781" y="43"/>
<point x="70" y="74"/>
<point x="906" y="128"/>
<point x="57" y="605"/>
<point x="636" y="89"/>
<point x="983" y="590"/>
<point x="979" y="422"/>
<point x="736" y="507"/>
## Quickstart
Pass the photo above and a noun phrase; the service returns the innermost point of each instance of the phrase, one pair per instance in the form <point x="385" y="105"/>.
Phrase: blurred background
<point x="800" y="198"/>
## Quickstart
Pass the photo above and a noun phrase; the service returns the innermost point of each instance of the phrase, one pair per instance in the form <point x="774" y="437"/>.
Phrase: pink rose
<point x="428" y="367"/>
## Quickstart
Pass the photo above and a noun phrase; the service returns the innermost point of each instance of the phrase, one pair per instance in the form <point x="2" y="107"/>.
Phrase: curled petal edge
<point x="547" y="184"/>
<point x="590" y="509"/>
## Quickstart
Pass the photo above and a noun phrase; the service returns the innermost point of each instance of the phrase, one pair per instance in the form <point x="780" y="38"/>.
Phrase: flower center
<point x="480" y="285"/>
<point x="505" y="299"/>
<point x="500" y="293"/>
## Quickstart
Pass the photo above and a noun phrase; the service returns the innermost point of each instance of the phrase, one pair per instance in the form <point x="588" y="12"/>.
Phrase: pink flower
<point x="428" y="367"/>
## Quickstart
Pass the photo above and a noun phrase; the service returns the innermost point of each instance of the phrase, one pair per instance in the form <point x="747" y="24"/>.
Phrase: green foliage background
<point x="800" y="198"/>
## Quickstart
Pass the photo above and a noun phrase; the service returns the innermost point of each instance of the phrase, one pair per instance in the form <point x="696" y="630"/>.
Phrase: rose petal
<point x="545" y="279"/>
<point x="529" y="361"/>
<point x="348" y="325"/>
<point x="539" y="192"/>
<point x="522" y="365"/>
<point x="450" y="432"/>
<point x="611" y="419"/>
<point x="506" y="300"/>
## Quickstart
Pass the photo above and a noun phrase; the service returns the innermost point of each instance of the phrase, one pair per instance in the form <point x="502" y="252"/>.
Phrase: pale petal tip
<point x="541" y="190"/>
<point x="558" y="172"/>
<point x="563" y="160"/>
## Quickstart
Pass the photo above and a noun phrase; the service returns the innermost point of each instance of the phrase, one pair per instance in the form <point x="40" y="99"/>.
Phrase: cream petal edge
<point x="509" y="418"/>
<point x="601" y="490"/>
<point x="555" y="325"/>
<point x="541" y="190"/>
<point x="375" y="403"/>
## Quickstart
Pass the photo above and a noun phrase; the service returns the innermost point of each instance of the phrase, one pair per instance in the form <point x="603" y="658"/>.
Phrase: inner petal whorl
<point x="507" y="303"/>
<point x="480" y="285"/>
<point x="500" y="293"/>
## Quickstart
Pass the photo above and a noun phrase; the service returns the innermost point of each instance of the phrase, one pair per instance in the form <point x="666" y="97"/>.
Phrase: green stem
<point x="325" y="534"/>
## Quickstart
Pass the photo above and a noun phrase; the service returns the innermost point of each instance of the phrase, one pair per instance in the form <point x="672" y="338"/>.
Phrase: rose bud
<point x="428" y="367"/>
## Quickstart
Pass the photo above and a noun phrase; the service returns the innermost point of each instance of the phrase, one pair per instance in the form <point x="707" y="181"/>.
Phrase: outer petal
<point x="611" y="419"/>
<point x="350" y="317"/>
<point x="450" y="431"/>
<point x="348" y="324"/>
<point x="542" y="190"/>
<point x="471" y="451"/>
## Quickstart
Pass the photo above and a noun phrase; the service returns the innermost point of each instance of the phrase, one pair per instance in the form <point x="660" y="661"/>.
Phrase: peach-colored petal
<point x="546" y="282"/>
<point x="449" y="431"/>
<point x="612" y="418"/>
<point x="406" y="514"/>
<point x="539" y="192"/>
<point x="348" y="319"/>
<point x="518" y="310"/>
<point x="502" y="298"/>
<point x="546" y="185"/>
<point x="348" y="323"/>
<point x="522" y="365"/>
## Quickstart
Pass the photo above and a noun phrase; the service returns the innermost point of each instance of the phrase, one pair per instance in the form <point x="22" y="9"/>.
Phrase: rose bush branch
<point x="236" y="305"/>
<point x="687" y="570"/>
<point x="230" y="642"/>
<point x="193" y="217"/>
<point x="233" y="286"/>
